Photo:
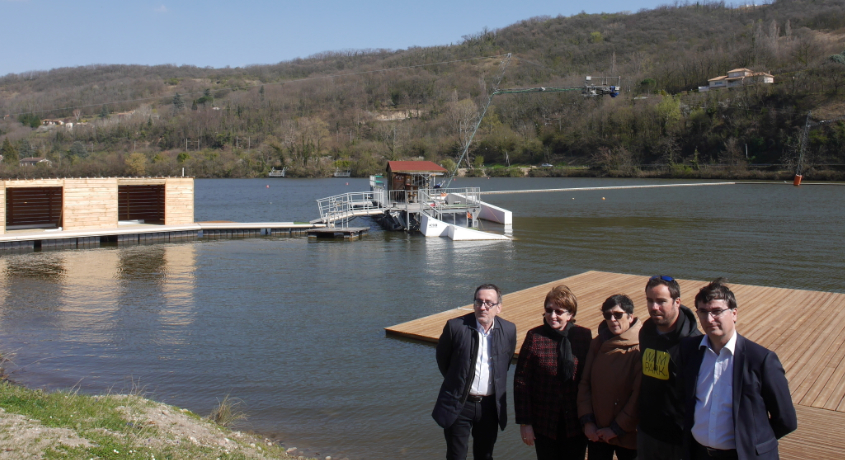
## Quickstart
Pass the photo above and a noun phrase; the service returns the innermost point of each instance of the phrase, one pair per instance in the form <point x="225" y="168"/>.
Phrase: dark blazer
<point x="457" y="351"/>
<point x="762" y="407"/>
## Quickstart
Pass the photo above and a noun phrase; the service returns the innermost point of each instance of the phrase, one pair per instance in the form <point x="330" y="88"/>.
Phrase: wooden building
<point x="405" y="178"/>
<point x="95" y="203"/>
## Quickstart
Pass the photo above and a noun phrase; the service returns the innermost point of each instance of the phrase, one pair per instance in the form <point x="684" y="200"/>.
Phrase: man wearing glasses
<point x="736" y="394"/>
<point x="474" y="354"/>
<point x="661" y="403"/>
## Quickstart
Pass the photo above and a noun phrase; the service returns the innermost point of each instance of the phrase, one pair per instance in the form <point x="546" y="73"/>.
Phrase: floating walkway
<point x="28" y="240"/>
<point x="805" y="328"/>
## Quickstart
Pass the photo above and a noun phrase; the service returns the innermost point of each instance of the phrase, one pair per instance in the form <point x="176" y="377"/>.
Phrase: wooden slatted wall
<point x="141" y="202"/>
<point x="33" y="207"/>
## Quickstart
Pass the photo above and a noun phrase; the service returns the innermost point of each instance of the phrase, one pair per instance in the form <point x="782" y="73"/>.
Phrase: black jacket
<point x="661" y="403"/>
<point x="763" y="411"/>
<point x="456" y="354"/>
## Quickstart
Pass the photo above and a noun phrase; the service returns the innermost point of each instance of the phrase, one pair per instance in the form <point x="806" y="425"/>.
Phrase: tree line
<point x="356" y="109"/>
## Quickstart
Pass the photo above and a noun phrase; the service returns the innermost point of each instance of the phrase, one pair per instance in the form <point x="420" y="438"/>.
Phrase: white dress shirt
<point x="482" y="384"/>
<point x="714" y="423"/>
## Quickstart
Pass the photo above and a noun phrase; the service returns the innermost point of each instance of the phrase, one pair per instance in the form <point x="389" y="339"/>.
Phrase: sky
<point x="47" y="34"/>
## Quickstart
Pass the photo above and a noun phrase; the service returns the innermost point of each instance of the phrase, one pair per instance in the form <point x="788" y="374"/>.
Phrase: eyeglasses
<point x="668" y="279"/>
<point x="556" y="311"/>
<point x="714" y="313"/>
<point x="615" y="314"/>
<point x="484" y="303"/>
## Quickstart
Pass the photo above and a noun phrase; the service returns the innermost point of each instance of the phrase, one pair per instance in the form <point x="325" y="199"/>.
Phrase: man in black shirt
<point x="661" y="404"/>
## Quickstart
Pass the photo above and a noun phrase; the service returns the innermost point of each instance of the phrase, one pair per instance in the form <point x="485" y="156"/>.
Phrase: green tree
<point x="104" y="113"/>
<point x="25" y="150"/>
<point x="9" y="152"/>
<point x="77" y="150"/>
<point x="178" y="103"/>
<point x="136" y="164"/>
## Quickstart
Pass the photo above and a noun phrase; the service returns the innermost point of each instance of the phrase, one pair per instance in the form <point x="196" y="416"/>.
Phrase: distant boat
<point x="339" y="173"/>
<point x="277" y="172"/>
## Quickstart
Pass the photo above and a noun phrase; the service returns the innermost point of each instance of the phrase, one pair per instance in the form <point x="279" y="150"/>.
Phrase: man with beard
<point x="661" y="404"/>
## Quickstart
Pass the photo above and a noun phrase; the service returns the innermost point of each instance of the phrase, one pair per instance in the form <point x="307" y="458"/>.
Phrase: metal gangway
<point x="338" y="210"/>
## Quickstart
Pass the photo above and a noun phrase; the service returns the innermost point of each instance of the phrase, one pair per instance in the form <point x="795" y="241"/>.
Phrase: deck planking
<point x="803" y="327"/>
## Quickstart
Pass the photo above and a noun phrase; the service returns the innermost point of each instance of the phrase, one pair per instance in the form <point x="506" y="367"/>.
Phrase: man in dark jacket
<point x="737" y="398"/>
<point x="474" y="354"/>
<point x="661" y="406"/>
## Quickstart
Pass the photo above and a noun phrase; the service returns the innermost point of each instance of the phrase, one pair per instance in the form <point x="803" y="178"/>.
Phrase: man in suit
<point x="474" y="354"/>
<point x="735" y="391"/>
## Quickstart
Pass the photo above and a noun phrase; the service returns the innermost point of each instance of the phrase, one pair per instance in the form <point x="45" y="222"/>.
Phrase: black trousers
<point x="480" y="420"/>
<point x="562" y="448"/>
<point x="605" y="451"/>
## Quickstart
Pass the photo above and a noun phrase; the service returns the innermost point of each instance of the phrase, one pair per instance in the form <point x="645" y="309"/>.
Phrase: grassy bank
<point x="65" y="424"/>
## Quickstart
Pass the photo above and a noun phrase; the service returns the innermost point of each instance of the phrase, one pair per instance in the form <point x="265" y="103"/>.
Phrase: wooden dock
<point x="805" y="328"/>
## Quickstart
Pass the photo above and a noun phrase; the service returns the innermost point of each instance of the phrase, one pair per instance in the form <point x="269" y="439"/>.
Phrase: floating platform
<point x="32" y="239"/>
<point x="805" y="329"/>
<point x="348" y="233"/>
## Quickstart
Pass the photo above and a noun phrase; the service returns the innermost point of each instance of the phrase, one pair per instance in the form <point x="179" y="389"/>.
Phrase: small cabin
<point x="95" y="203"/>
<point x="406" y="178"/>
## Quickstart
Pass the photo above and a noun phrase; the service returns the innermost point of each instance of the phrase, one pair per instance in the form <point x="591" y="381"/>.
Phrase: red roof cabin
<point x="405" y="178"/>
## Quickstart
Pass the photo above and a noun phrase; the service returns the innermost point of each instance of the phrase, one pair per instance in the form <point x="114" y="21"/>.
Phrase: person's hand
<point x="527" y="433"/>
<point x="606" y="434"/>
<point x="591" y="431"/>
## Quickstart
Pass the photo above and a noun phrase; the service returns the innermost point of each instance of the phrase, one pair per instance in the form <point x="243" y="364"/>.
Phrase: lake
<point x="295" y="328"/>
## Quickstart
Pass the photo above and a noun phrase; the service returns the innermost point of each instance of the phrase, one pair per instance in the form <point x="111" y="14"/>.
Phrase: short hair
<point x="716" y="290"/>
<point x="491" y="287"/>
<point x="622" y="300"/>
<point x="668" y="281"/>
<point x="563" y="298"/>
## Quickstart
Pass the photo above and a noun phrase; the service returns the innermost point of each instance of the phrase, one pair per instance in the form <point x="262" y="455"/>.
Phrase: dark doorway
<point x="141" y="202"/>
<point x="33" y="207"/>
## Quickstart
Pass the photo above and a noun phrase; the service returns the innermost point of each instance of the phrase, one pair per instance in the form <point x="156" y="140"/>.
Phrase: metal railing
<point x="343" y="208"/>
<point x="338" y="210"/>
<point x="449" y="200"/>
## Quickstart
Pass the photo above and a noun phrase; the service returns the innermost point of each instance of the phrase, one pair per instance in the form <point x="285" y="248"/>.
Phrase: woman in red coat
<point x="548" y="371"/>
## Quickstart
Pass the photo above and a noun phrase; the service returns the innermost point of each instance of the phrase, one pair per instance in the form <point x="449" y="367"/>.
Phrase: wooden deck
<point x="805" y="328"/>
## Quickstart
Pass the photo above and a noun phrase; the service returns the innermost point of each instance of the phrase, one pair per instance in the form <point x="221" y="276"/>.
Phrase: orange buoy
<point x="268" y="186"/>
<point x="797" y="181"/>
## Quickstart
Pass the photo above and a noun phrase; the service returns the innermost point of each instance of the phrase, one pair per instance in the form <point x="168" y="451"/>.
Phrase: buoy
<point x="602" y="198"/>
<point x="797" y="181"/>
<point x="268" y="186"/>
<point x="573" y="198"/>
<point x="347" y="183"/>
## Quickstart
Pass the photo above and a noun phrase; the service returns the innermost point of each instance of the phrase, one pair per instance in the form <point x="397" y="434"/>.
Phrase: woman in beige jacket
<point x="610" y="384"/>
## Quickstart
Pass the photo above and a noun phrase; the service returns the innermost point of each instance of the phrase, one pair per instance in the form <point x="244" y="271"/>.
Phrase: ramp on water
<point x="805" y="328"/>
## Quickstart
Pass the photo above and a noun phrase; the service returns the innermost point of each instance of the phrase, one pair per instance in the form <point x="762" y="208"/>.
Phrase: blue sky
<point x="45" y="34"/>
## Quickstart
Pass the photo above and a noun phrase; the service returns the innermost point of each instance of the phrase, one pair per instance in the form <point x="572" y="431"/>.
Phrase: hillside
<point x="357" y="109"/>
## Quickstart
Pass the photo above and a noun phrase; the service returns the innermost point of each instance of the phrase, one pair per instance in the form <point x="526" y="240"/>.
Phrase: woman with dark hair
<point x="548" y="370"/>
<point x="608" y="392"/>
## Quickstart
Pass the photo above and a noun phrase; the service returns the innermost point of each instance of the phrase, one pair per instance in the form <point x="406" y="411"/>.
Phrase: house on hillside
<point x="34" y="161"/>
<point x="736" y="78"/>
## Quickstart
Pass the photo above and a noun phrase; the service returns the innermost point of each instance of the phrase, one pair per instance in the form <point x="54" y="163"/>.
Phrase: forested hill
<point x="356" y="109"/>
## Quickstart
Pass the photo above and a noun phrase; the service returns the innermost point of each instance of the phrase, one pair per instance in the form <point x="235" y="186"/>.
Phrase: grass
<point x="227" y="412"/>
<point x="66" y="424"/>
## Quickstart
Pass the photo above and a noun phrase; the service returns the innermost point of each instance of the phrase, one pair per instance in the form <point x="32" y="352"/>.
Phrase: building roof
<point x="415" y="167"/>
<point x="739" y="70"/>
<point x="33" y="160"/>
<point x="718" y="78"/>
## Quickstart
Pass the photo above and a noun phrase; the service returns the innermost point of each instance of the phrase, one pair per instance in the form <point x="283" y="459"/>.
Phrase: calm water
<point x="295" y="328"/>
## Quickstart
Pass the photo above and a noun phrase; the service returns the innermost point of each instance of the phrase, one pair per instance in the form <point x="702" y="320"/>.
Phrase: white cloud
<point x="160" y="9"/>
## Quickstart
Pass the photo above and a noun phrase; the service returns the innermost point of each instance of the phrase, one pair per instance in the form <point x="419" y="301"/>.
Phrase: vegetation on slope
<point x="357" y="109"/>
